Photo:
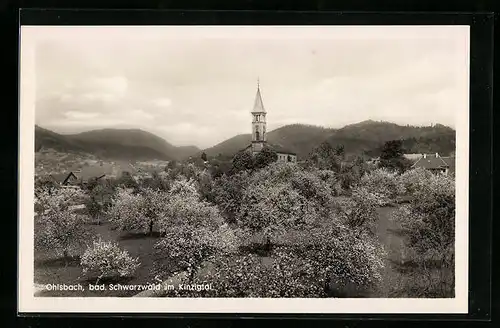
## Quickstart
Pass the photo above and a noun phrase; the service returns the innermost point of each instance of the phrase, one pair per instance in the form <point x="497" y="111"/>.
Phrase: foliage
<point x="332" y="179"/>
<point x="380" y="185"/>
<point x="206" y="186"/>
<point x="359" y="211"/>
<point x="204" y="156"/>
<point x="326" y="263"/>
<point x="414" y="180"/>
<point x="228" y="193"/>
<point x="57" y="227"/>
<point x="242" y="160"/>
<point x="106" y="259"/>
<point x="187" y="211"/>
<point x="158" y="181"/>
<point x="45" y="182"/>
<point x="392" y="157"/>
<point x="100" y="195"/>
<point x="429" y="224"/>
<point x="127" y="211"/>
<point x="184" y="248"/>
<point x="325" y="157"/>
<point x="265" y="157"/>
<point x="282" y="197"/>
<point x="126" y="181"/>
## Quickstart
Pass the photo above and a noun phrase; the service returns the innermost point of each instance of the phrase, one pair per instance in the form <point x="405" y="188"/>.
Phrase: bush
<point x="106" y="259"/>
<point x="57" y="227"/>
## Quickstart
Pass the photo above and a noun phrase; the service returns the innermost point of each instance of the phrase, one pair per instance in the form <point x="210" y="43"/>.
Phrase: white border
<point x="30" y="35"/>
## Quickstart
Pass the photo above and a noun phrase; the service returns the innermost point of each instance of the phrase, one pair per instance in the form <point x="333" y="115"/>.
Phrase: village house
<point x="436" y="164"/>
<point x="259" y="134"/>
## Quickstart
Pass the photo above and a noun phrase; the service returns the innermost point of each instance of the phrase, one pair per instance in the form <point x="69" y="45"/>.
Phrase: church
<point x="259" y="134"/>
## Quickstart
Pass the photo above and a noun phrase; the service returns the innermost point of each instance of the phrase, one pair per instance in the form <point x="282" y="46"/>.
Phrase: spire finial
<point x="258" y="82"/>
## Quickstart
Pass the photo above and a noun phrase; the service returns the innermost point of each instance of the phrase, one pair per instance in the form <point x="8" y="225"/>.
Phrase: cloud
<point x="195" y="89"/>
<point x="162" y="102"/>
<point x="81" y="115"/>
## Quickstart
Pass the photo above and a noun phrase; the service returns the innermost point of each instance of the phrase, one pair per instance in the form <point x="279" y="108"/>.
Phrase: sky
<point x="196" y="85"/>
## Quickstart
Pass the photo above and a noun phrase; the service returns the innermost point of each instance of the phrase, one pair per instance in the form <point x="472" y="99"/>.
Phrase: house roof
<point x="431" y="162"/>
<point x="450" y="161"/>
<point x="62" y="178"/>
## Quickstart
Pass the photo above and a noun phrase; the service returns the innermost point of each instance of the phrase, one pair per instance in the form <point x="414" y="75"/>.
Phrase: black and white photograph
<point x="244" y="168"/>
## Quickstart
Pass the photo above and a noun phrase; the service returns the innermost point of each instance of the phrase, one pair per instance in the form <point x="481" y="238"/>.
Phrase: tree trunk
<point x="66" y="257"/>
<point x="151" y="227"/>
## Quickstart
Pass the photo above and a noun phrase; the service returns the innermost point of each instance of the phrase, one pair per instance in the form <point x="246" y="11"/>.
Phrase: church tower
<point x="259" y="136"/>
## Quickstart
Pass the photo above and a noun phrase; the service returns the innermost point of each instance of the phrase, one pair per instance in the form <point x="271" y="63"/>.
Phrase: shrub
<point x="106" y="259"/>
<point x="57" y="227"/>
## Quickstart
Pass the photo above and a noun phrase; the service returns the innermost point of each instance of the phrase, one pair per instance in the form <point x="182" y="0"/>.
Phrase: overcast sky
<point x="196" y="85"/>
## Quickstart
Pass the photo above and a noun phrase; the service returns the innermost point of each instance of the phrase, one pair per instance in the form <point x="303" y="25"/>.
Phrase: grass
<point x="401" y="277"/>
<point x="408" y="275"/>
<point x="50" y="270"/>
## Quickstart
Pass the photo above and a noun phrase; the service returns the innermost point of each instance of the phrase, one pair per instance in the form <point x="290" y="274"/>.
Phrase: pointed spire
<point x="258" y="104"/>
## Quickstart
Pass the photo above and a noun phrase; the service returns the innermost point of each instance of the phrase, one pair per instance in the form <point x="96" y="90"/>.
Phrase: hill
<point x="366" y="137"/>
<point x="130" y="144"/>
<point x="381" y="132"/>
<point x="299" y="138"/>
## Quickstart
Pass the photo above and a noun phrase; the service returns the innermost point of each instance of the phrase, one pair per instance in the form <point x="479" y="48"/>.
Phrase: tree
<point x="242" y="160"/>
<point x="325" y="157"/>
<point x="106" y="259"/>
<point x="281" y="197"/>
<point x="429" y="224"/>
<point x="204" y="156"/>
<point x="265" y="157"/>
<point x="57" y="227"/>
<point x="392" y="157"/>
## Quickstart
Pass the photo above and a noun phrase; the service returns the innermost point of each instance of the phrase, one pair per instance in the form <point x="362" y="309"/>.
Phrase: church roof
<point x="258" y="106"/>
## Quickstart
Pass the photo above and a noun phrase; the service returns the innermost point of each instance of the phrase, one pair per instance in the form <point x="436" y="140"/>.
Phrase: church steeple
<point x="258" y="106"/>
<point x="259" y="135"/>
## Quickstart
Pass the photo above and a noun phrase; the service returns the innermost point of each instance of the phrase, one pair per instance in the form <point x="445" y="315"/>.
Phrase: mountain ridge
<point x="364" y="137"/>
